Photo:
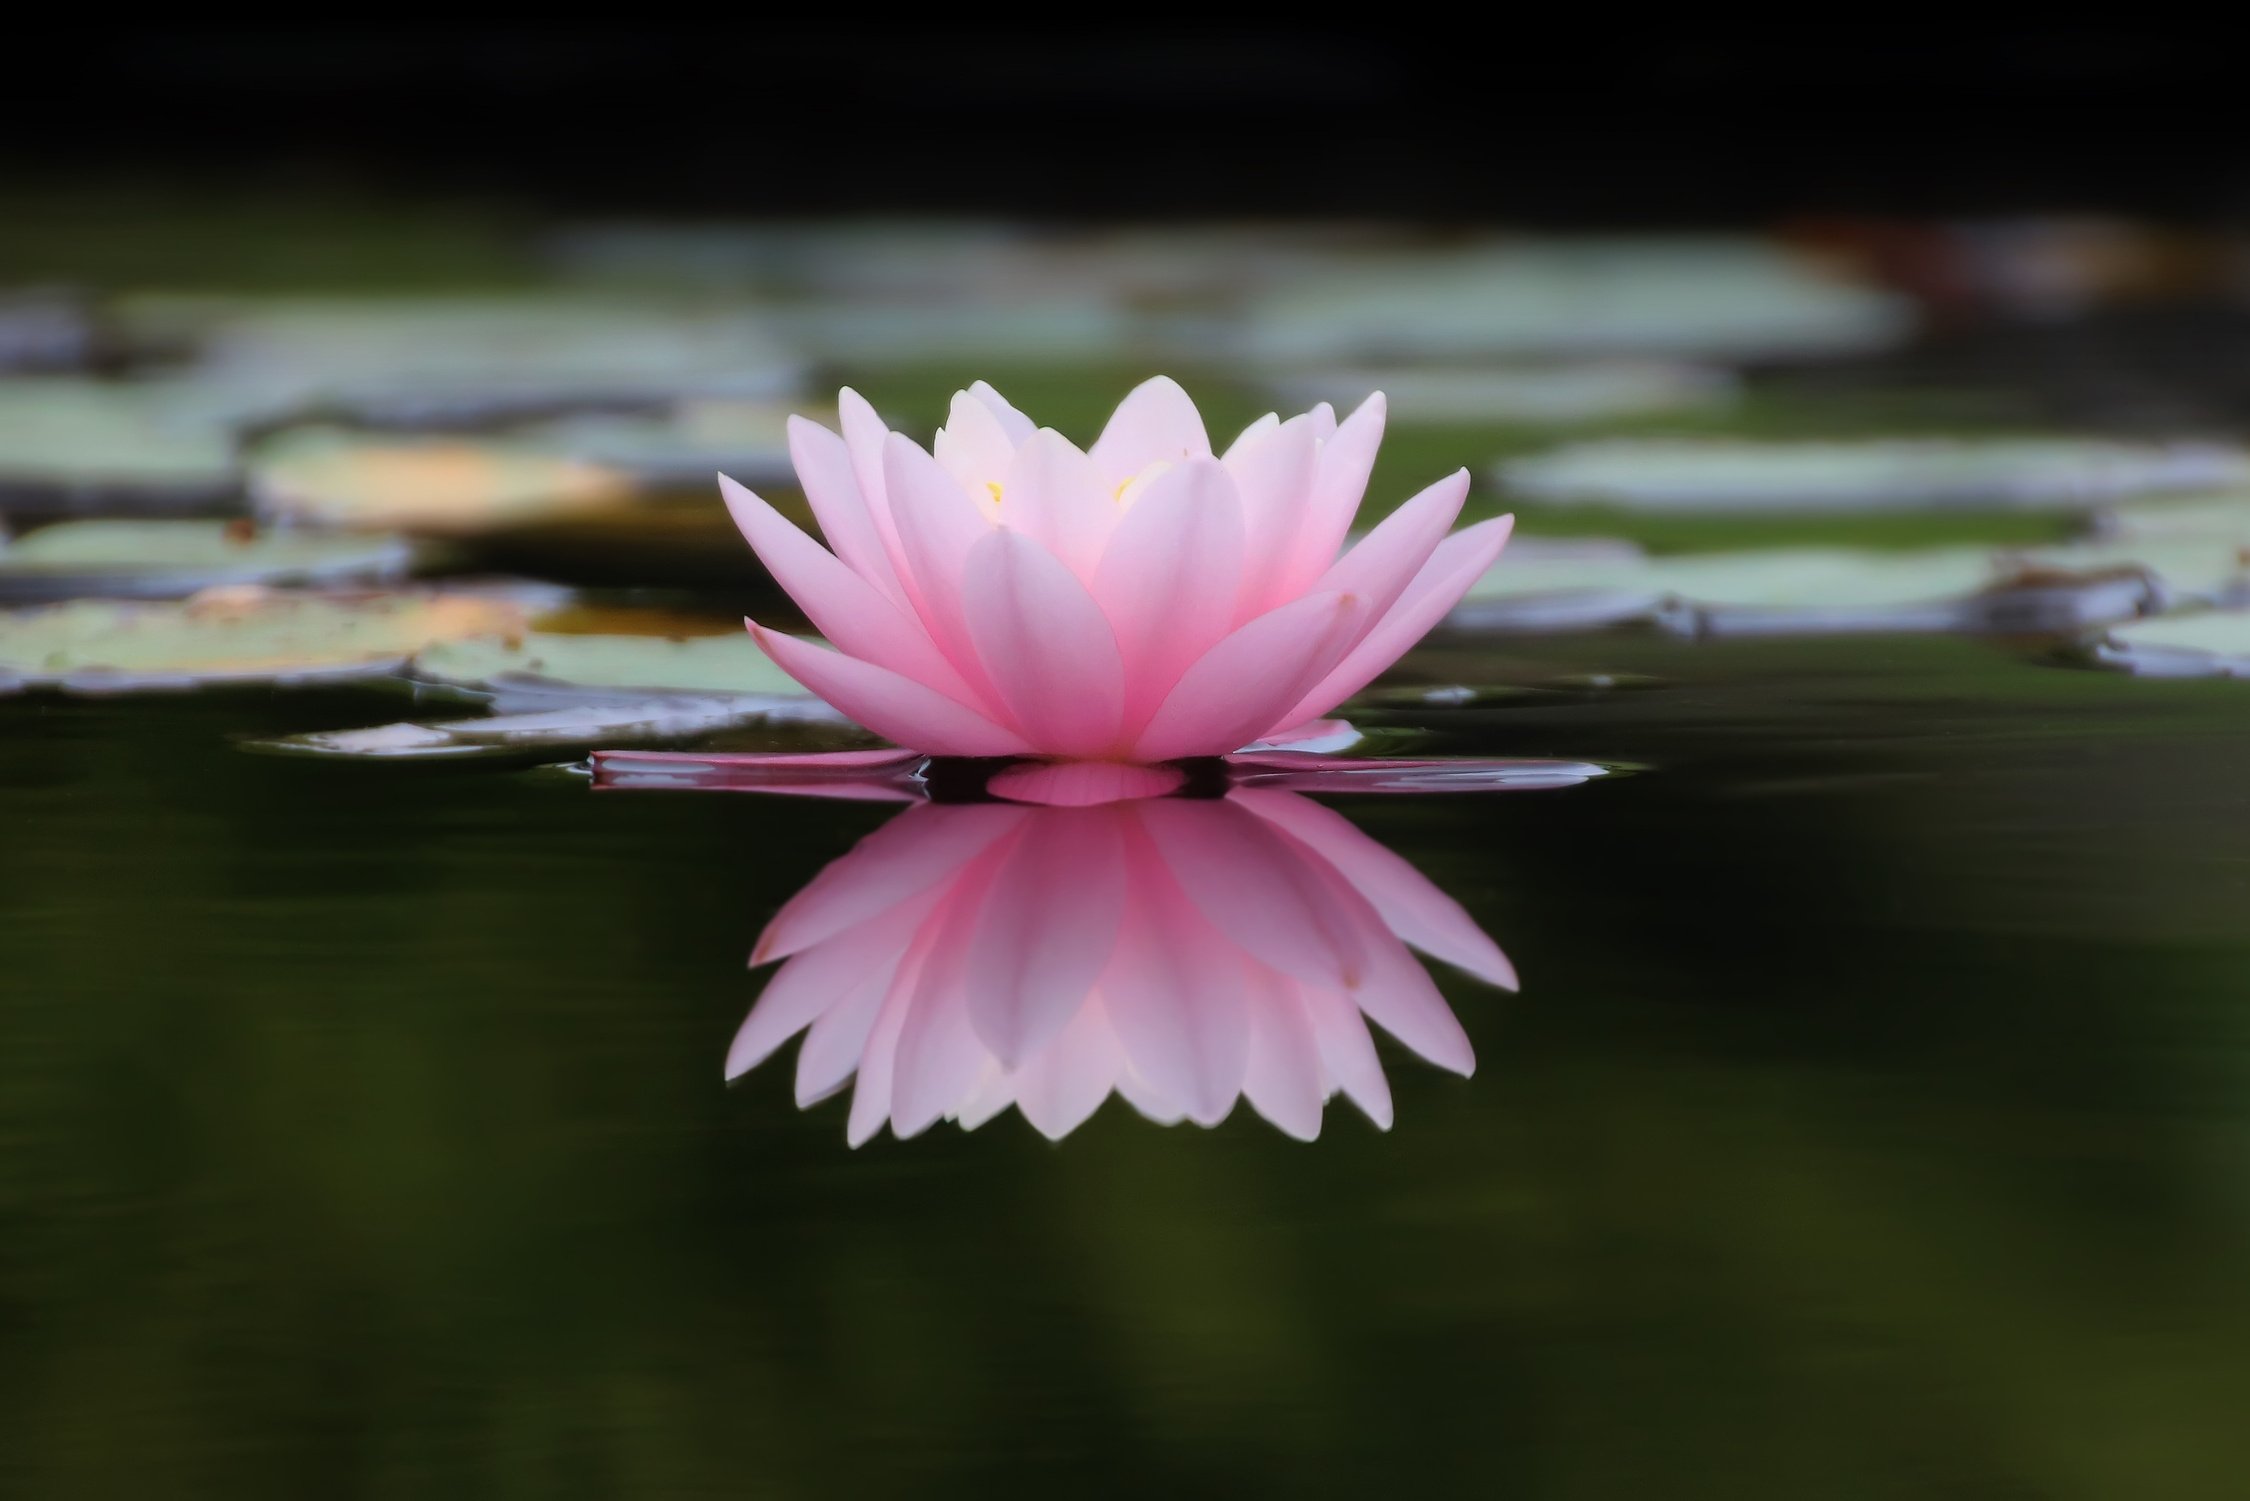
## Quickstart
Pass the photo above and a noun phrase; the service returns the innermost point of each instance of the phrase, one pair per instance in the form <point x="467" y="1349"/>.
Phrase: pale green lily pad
<point x="684" y="447"/>
<point x="1814" y="591"/>
<point x="448" y="487"/>
<point x="633" y="721"/>
<point x="48" y="331"/>
<point x="1690" y="298"/>
<point x="240" y="635"/>
<point x="446" y="361"/>
<point x="1552" y="394"/>
<point x="2223" y="517"/>
<point x="1884" y="474"/>
<point x="86" y="446"/>
<point x="728" y="664"/>
<point x="173" y="559"/>
<point x="2214" y="643"/>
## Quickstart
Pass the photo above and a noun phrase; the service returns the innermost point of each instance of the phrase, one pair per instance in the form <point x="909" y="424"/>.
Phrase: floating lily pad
<point x="1713" y="298"/>
<point x="583" y="725"/>
<point x="438" y="487"/>
<point x="240" y="635"/>
<point x="48" y="332"/>
<point x="1877" y="474"/>
<point x="728" y="664"/>
<point x="450" y="361"/>
<point x="684" y="447"/>
<point x="2215" y="643"/>
<point x="1812" y="591"/>
<point x="2224" y="517"/>
<point x="1552" y="394"/>
<point x="173" y="559"/>
<point x="111" y="447"/>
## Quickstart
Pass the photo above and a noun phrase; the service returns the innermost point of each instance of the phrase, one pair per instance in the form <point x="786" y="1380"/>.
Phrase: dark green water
<point x="1874" y="1122"/>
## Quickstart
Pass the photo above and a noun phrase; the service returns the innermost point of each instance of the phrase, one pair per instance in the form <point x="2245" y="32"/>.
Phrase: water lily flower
<point x="1147" y="599"/>
<point x="1183" y="953"/>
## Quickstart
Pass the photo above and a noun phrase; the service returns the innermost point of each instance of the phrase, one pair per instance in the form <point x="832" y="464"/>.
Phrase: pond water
<point x="1873" y="1120"/>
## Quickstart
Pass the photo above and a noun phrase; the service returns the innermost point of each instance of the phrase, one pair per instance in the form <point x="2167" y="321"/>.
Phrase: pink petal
<point x="1014" y="423"/>
<point x="823" y="975"/>
<point x="1082" y="784"/>
<point x="1396" y="992"/>
<point x="1251" y="434"/>
<point x="1047" y="932"/>
<point x="1459" y="561"/>
<point x="937" y="525"/>
<point x="939" y="1057"/>
<point x="824" y="470"/>
<point x="1282" y="1076"/>
<point x="838" y="1039"/>
<point x="1239" y="688"/>
<point x="1346" y="460"/>
<point x="1173" y="992"/>
<point x="1058" y="1090"/>
<point x="1274" y="476"/>
<point x="972" y="446"/>
<point x="1046" y="646"/>
<point x="1402" y="896"/>
<point x="872" y="1091"/>
<point x="897" y="708"/>
<point x="1054" y="493"/>
<point x="911" y="854"/>
<point x="1385" y="561"/>
<point x="849" y="611"/>
<point x="1347" y="1053"/>
<point x="1271" y="897"/>
<point x="1155" y="423"/>
<point x="1169" y="576"/>
<point x="864" y="433"/>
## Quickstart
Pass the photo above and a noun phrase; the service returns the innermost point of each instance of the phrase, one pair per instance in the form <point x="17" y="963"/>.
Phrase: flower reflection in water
<point x="1182" y="952"/>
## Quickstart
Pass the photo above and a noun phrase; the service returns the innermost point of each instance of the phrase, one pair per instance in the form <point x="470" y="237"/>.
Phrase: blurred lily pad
<point x="1814" y="591"/>
<point x="1724" y="298"/>
<point x="2214" y="643"/>
<point x="718" y="664"/>
<point x="439" y="487"/>
<point x="437" y="362"/>
<point x="1692" y="474"/>
<point x="173" y="559"/>
<point x="47" y="331"/>
<point x="72" y="446"/>
<point x="1552" y="394"/>
<point x="685" y="447"/>
<point x="631" y="721"/>
<point x="240" y="635"/>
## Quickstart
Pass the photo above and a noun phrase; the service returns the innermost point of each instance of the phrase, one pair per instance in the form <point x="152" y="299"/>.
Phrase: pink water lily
<point x="1010" y="594"/>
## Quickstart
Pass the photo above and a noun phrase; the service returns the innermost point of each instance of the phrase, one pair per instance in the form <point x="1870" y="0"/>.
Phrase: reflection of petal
<point x="903" y="857"/>
<point x="1262" y="894"/>
<point x="1048" y="930"/>
<point x="1174" y="989"/>
<point x="1409" y="905"/>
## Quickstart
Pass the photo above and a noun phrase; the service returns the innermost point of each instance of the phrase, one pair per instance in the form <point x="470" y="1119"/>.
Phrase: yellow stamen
<point x="994" y="486"/>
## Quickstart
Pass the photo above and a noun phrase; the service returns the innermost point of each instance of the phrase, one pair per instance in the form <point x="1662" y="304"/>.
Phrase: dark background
<point x="1600" y="119"/>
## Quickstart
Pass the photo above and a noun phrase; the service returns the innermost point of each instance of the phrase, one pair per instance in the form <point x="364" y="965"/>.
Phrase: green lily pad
<point x="448" y="361"/>
<point x="705" y="665"/>
<point x="632" y="721"/>
<point x="173" y="559"/>
<point x="1693" y="298"/>
<point x="1812" y="591"/>
<point x="684" y="447"/>
<point x="240" y="635"/>
<point x="2224" y="517"/>
<point x="71" y="446"/>
<point x="1689" y="474"/>
<point x="1551" y="394"/>
<point x="450" y="487"/>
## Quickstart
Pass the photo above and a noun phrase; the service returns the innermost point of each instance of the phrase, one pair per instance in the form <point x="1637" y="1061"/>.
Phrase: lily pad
<point x="436" y="487"/>
<point x="575" y="726"/>
<point x="684" y="447"/>
<point x="1816" y="591"/>
<point x="240" y="635"/>
<point x="1693" y="298"/>
<point x="1685" y="474"/>
<point x="48" y="332"/>
<point x="173" y="559"/>
<point x="72" y="446"/>
<point x="703" y="665"/>
<point x="1554" y="394"/>
<point x="2214" y="643"/>
<point x="452" y="361"/>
